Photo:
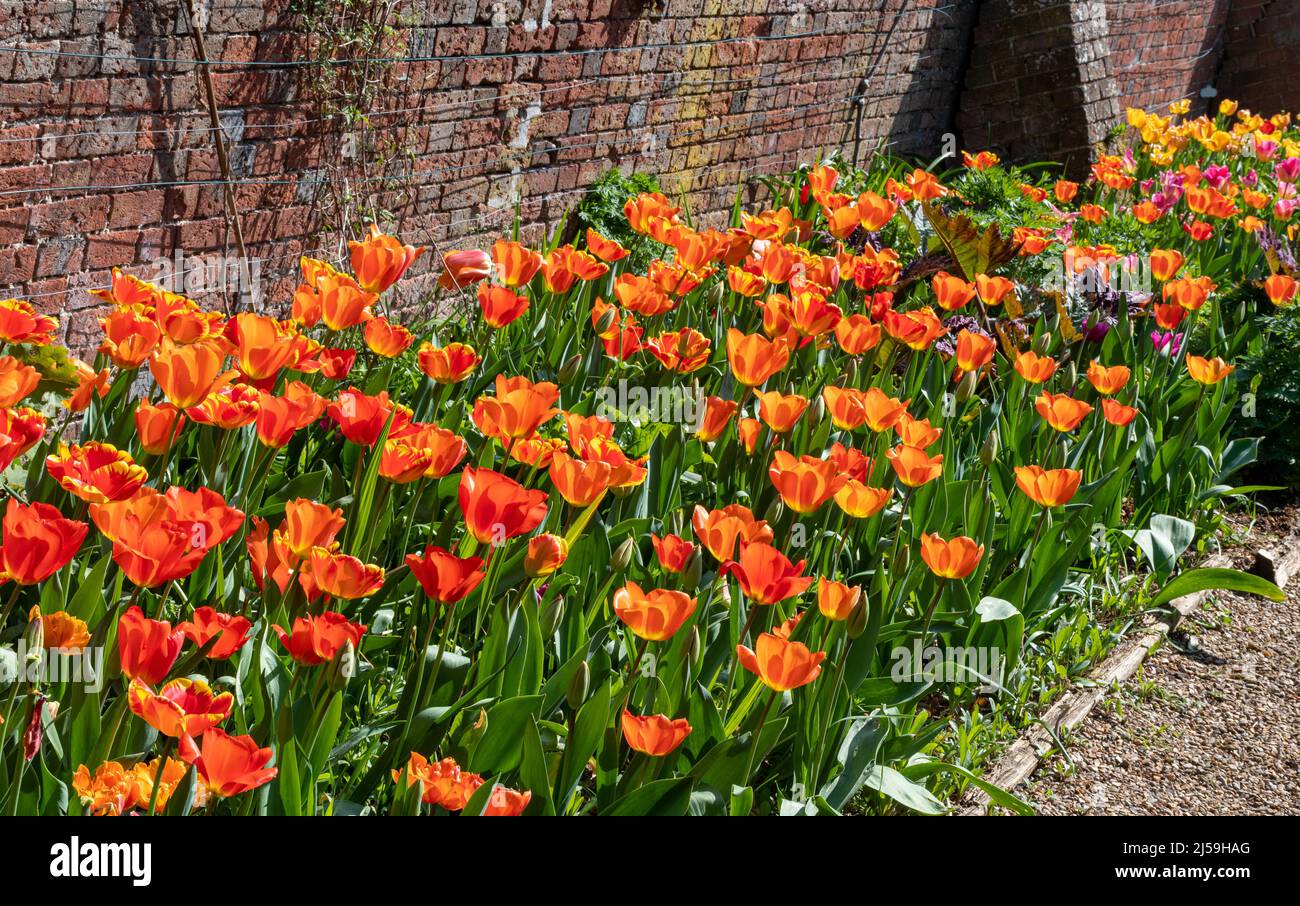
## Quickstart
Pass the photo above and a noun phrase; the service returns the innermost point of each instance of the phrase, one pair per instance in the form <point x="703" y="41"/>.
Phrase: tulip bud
<point x="606" y="321"/>
<point x="677" y="523"/>
<point x="857" y="622"/>
<point x="966" y="388"/>
<point x="552" y="615"/>
<point x="1042" y="343"/>
<point x="34" y="638"/>
<point x="694" y="567"/>
<point x="1241" y="311"/>
<point x="569" y="370"/>
<point x="1071" y="374"/>
<point x="622" y="556"/>
<point x="989" y="449"/>
<point x="816" y="410"/>
<point x="851" y="373"/>
<point x="715" y="294"/>
<point x="693" y="645"/>
<point x="342" y="667"/>
<point x="724" y="591"/>
<point x="899" y="566"/>
<point x="774" y="510"/>
<point x="576" y="693"/>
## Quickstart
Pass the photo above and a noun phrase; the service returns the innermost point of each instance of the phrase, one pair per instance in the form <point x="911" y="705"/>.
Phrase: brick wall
<point x="107" y="157"/>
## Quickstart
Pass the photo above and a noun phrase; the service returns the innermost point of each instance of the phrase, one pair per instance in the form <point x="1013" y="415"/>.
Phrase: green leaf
<point x="886" y="780"/>
<point x="499" y="750"/>
<point x="671" y="796"/>
<point x="1195" y="580"/>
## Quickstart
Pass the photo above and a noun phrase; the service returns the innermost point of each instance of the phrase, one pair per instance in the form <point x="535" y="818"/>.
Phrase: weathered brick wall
<point x="107" y="157"/>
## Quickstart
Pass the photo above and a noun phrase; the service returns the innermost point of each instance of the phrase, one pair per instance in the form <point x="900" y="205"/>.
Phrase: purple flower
<point x="1217" y="175"/>
<point x="1287" y="170"/>
<point x="1167" y="343"/>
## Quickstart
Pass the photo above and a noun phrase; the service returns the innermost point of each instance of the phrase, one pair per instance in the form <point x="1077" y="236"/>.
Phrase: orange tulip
<point x="129" y="337"/>
<point x="804" y="483"/>
<point x="228" y="408"/>
<point x="505" y="802"/>
<point x="913" y="466"/>
<point x="442" y="783"/>
<point x="951" y="292"/>
<point x="308" y="524"/>
<point x="974" y="350"/>
<point x="847" y="407"/>
<point x="37" y="542"/>
<point x="1062" y="412"/>
<point x="19" y="323"/>
<point x="1117" y="413"/>
<point x="20" y="430"/>
<point x="462" y="268"/>
<point x="857" y="334"/>
<point x="955" y="559"/>
<point x="682" y="351"/>
<point x="279" y="417"/>
<point x="835" y="600"/>
<point x="61" y="631"/>
<point x="497" y="508"/>
<point x="546" y="553"/>
<point x="993" y="290"/>
<point x="343" y="303"/>
<point x="717" y="413"/>
<point x="754" y="358"/>
<point x="1208" y="371"/>
<point x="450" y="364"/>
<point x="96" y="472"/>
<point x="90" y="383"/>
<point x="654" y="615"/>
<point x="881" y="410"/>
<point x="436" y="450"/>
<point x="604" y="249"/>
<point x="779" y="411"/>
<point x="158" y="427"/>
<point x="1168" y="317"/>
<point x="1065" y="190"/>
<point x="1035" y="368"/>
<point x="1107" y="380"/>
<point x="17" y="381"/>
<point x="580" y="483"/>
<point x="655" y="735"/>
<point x="262" y="345"/>
<point x="766" y="575"/>
<point x="1165" y="263"/>
<point x="516" y="264"/>
<point x="674" y="553"/>
<point x="780" y="664"/>
<point x="316" y="639"/>
<point x="1048" y="487"/>
<point x="182" y="709"/>
<point x="343" y="576"/>
<point x="875" y="211"/>
<point x="916" y="432"/>
<point x="445" y="577"/>
<point x="517" y="410"/>
<point x="386" y="338"/>
<point x="187" y="374"/>
<point x="147" y="648"/>
<point x="1189" y="294"/>
<point x="154" y="553"/>
<point x="745" y="283"/>
<point x="230" y="631"/>
<point x="747" y="430"/>
<point x="859" y="500"/>
<point x="379" y="260"/>
<point x="914" y="329"/>
<point x="1280" y="289"/>
<point x="719" y="530"/>
<point x="362" y="418"/>
<point x="500" y="305"/>
<point x="229" y="765"/>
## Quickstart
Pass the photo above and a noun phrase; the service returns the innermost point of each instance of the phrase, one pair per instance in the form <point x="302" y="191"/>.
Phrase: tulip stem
<point x="758" y="734"/>
<point x="166" y="753"/>
<point x="9" y="605"/>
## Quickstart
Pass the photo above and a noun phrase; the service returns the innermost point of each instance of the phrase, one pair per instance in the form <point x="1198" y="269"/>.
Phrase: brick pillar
<point x="1262" y="55"/>
<point x="1038" y="86"/>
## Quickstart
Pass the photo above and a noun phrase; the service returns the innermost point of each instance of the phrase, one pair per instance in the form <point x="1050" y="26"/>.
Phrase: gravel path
<point x="1210" y="725"/>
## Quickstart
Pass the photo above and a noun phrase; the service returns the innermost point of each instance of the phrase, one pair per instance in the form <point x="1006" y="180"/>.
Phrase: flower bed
<point x="765" y="528"/>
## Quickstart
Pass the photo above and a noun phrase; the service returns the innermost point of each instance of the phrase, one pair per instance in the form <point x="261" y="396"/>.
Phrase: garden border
<point x="1018" y="763"/>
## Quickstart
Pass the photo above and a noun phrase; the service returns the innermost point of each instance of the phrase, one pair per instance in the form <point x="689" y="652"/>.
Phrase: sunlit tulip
<point x="780" y="412"/>
<point x="546" y="553"/>
<point x="717" y="413"/>
<point x="154" y="553"/>
<point x="914" y="329"/>
<point x="90" y="384"/>
<point x="1117" y="413"/>
<point x="719" y="530"/>
<point x="766" y="575"/>
<point x="361" y="417"/>
<point x="579" y="482"/>
<point x="804" y="483"/>
<point x="442" y="783"/>
<point x="857" y="334"/>
<point x="37" y="542"/>
<point x="463" y="268"/>
<point x="344" y="576"/>
<point x="129" y="337"/>
<point x="517" y="410"/>
<point x="913" y="466"/>
<point x="1035" y="368"/>
<point x="747" y="430"/>
<point x="1208" y="371"/>
<point x="655" y="735"/>
<point x="379" y="260"/>
<point x="1168" y="317"/>
<point x="836" y="600"/>
<point x="847" y="407"/>
<point x="974" y="350"/>
<point x="653" y="615"/>
<point x="115" y="790"/>
<point x="604" y="249"/>
<point x="228" y="629"/>
<point x="20" y="323"/>
<point x="263" y="345"/>
<point x="230" y="765"/>
<point x="449" y="364"/>
<point x="60" y="630"/>
<point x="445" y="577"/>
<point x="916" y="432"/>
<point x="1165" y="263"/>
<point x="641" y="295"/>
<point x="279" y="417"/>
<point x="387" y="339"/>
<point x="343" y="303"/>
<point x="497" y="508"/>
<point x="1280" y="288"/>
<point x="673" y="553"/>
<point x="505" y="802"/>
<point x="17" y="381"/>
<point x="875" y="211"/>
<point x="500" y="305"/>
<point x="754" y="358"/>
<point x="1048" y="487"/>
<point x="147" y="648"/>
<point x="993" y="290"/>
<point x="20" y="430"/>
<point x="316" y="639"/>
<point x="955" y="559"/>
<point x="158" y="427"/>
<point x="951" y="292"/>
<point x="183" y="708"/>
<point x="1107" y="380"/>
<point x="745" y="283"/>
<point x="187" y="374"/>
<point x="859" y="500"/>
<point x="96" y="472"/>
<point x="780" y="664"/>
<point x="229" y="407"/>
<point x="683" y="351"/>
<point x="516" y="264"/>
<point x="1062" y="412"/>
<point x="1189" y="294"/>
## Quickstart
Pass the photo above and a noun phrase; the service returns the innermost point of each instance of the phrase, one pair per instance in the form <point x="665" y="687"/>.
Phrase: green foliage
<point x="602" y="210"/>
<point x="1275" y="380"/>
